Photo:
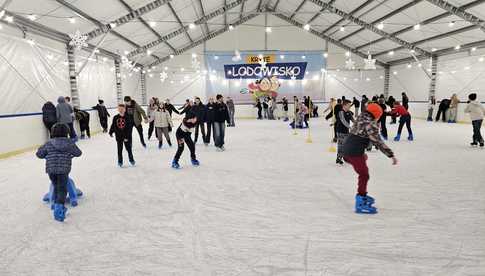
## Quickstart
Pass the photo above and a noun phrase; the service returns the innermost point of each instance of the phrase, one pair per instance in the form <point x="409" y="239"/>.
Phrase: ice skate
<point x="481" y="144"/>
<point x="410" y="137"/>
<point x="363" y="205"/>
<point x="397" y="138"/>
<point x="132" y="163"/>
<point x="339" y="161"/>
<point x="195" y="162"/>
<point x="120" y="164"/>
<point x="59" y="212"/>
<point x="474" y="144"/>
<point x="175" y="165"/>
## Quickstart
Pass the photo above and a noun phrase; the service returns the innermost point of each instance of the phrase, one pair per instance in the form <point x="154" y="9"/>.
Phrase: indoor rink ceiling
<point x="151" y="32"/>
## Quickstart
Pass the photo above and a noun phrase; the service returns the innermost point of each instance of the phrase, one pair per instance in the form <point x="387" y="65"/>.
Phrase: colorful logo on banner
<point x="292" y="70"/>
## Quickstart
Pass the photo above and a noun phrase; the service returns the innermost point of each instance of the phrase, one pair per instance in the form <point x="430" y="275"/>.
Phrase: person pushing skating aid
<point x="365" y="130"/>
<point x="58" y="153"/>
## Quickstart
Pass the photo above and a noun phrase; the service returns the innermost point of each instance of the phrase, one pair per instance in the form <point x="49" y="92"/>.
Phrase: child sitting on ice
<point x="58" y="153"/>
<point x="364" y="131"/>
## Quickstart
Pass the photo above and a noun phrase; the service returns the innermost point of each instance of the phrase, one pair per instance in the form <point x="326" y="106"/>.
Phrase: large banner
<point x="254" y="74"/>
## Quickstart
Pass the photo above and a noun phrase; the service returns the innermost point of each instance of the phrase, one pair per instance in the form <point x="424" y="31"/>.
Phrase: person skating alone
<point x="405" y="119"/>
<point x="209" y="120"/>
<point x="135" y="114"/>
<point x="58" y="153"/>
<point x="259" y="106"/>
<point x="382" y="120"/>
<point x="342" y="125"/>
<point x="232" y="110"/>
<point x="103" y="115"/>
<point x="453" y="110"/>
<point x="431" y="107"/>
<point x="365" y="131"/>
<point x="122" y="127"/>
<point x="221" y="116"/>
<point x="183" y="135"/>
<point x="284" y="103"/>
<point x="162" y="122"/>
<point x="477" y="112"/>
<point x="356" y="104"/>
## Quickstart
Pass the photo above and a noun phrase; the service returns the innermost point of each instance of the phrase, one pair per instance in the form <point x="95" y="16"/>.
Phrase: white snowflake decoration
<point x="293" y="77"/>
<point x="262" y="63"/>
<point x="126" y="63"/>
<point x="163" y="76"/>
<point x="370" y="63"/>
<point x="349" y="64"/>
<point x="78" y="40"/>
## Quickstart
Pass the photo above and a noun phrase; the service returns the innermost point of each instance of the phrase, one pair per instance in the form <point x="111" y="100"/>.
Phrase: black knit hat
<point x="472" y="96"/>
<point x="59" y="130"/>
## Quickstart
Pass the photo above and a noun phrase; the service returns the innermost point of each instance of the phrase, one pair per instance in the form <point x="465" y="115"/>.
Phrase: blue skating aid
<point x="363" y="205"/>
<point x="73" y="192"/>
<point x="397" y="138"/>
<point x="175" y="165"/>
<point x="195" y="162"/>
<point x="59" y="212"/>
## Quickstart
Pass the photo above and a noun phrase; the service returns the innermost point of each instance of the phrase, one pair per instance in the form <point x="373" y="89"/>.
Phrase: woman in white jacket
<point x="163" y="125"/>
<point x="477" y="112"/>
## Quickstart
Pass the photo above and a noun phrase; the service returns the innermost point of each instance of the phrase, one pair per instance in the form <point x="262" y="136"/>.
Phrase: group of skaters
<point x="447" y="109"/>
<point x="61" y="148"/>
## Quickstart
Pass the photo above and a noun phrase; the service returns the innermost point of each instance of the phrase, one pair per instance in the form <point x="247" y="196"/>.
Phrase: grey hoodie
<point x="63" y="111"/>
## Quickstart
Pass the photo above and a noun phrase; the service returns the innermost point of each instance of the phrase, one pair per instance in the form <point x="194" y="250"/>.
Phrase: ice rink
<point x="272" y="204"/>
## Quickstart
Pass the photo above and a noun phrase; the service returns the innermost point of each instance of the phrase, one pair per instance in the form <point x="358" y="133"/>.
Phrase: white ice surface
<point x="270" y="205"/>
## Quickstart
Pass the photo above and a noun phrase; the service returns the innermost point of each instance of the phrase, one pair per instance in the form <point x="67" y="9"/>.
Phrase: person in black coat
<point x="122" y="127"/>
<point x="49" y="116"/>
<point x="83" y="118"/>
<point x="442" y="108"/>
<point x="183" y="137"/>
<point x="405" y="100"/>
<point x="363" y="103"/>
<point x="209" y="120"/>
<point x="356" y="104"/>
<point x="200" y="112"/>
<point x="390" y="102"/>
<point x="382" y="119"/>
<point x="221" y="116"/>
<point x="342" y="126"/>
<point x="170" y="108"/>
<point x="102" y="114"/>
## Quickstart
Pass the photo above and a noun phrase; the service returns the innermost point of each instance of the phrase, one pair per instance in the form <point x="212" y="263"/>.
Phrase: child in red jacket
<point x="402" y="112"/>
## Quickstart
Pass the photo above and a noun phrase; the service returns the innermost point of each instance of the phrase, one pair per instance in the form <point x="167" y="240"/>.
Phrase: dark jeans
<point x="140" y="132"/>
<point x="219" y="134"/>
<point x="151" y="127"/>
<point x="477" y="135"/>
<point x="207" y="138"/>
<point x="259" y="114"/>
<point x="59" y="181"/>
<point x="202" y="130"/>
<point x="231" y="118"/>
<point x="128" y="145"/>
<point x="406" y="119"/>
<point x="104" y="123"/>
<point x="184" y="138"/>
<point x="359" y="163"/>
<point x="84" y="126"/>
<point x="72" y="132"/>
<point x="382" y="120"/>
<point x="441" y="111"/>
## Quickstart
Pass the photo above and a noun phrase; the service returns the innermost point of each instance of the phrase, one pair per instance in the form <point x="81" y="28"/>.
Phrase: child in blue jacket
<point x="58" y="153"/>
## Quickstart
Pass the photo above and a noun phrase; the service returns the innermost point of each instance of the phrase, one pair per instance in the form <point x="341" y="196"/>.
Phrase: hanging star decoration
<point x="350" y="64"/>
<point x="126" y="63"/>
<point x="370" y="63"/>
<point x="163" y="76"/>
<point x="237" y="56"/>
<point x="78" y="40"/>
